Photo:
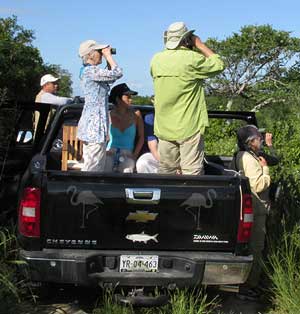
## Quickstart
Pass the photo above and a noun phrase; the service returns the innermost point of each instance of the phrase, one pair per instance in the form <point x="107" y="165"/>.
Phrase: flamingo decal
<point x="85" y="198"/>
<point x="198" y="200"/>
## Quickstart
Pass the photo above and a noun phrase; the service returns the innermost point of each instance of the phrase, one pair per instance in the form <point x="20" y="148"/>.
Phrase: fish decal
<point x="141" y="216"/>
<point x="142" y="237"/>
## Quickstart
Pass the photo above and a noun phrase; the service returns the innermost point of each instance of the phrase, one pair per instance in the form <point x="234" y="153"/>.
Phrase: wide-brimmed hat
<point x="119" y="91"/>
<point x="175" y="33"/>
<point x="48" y="78"/>
<point x="89" y="45"/>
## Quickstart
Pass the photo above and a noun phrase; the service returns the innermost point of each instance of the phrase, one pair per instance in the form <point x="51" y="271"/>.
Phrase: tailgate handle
<point x="142" y="196"/>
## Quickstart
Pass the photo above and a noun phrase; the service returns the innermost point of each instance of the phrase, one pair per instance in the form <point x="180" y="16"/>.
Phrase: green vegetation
<point x="220" y="137"/>
<point x="109" y="306"/>
<point x="12" y="287"/>
<point x="21" y="67"/>
<point x="262" y="75"/>
<point x="285" y="273"/>
<point x="21" y="64"/>
<point x="181" y="302"/>
<point x="260" y="63"/>
<point x="196" y="302"/>
<point x="142" y="100"/>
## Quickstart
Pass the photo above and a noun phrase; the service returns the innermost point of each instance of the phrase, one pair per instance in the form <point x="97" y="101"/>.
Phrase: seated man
<point x="149" y="162"/>
<point x="47" y="94"/>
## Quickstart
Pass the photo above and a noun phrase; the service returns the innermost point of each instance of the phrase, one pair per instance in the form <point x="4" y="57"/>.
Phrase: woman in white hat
<point x="93" y="124"/>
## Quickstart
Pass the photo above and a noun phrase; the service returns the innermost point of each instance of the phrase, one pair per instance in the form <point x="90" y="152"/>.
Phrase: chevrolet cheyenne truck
<point x="132" y="230"/>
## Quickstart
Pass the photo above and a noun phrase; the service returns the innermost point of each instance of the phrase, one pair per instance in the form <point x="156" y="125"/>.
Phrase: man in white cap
<point x="93" y="123"/>
<point x="178" y="73"/>
<point x="49" y="85"/>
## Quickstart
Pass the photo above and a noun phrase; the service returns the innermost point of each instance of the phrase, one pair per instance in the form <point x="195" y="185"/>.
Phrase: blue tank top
<point x="122" y="140"/>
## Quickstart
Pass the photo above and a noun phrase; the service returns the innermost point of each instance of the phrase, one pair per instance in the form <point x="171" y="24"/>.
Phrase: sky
<point x="135" y="27"/>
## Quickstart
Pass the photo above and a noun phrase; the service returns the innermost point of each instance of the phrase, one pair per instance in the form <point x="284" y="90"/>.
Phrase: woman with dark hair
<point x="126" y="131"/>
<point x="254" y="166"/>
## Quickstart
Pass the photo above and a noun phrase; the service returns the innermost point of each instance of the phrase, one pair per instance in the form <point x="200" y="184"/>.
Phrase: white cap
<point x="89" y="45"/>
<point x="48" y="78"/>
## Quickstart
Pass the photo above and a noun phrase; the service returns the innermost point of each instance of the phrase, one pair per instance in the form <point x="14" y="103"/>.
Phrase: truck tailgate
<point x="134" y="212"/>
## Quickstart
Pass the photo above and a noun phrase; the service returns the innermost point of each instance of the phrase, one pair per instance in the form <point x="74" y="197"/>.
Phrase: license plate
<point x="138" y="263"/>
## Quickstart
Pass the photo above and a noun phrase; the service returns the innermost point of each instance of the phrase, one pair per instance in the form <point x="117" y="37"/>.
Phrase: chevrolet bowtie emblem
<point x="141" y="216"/>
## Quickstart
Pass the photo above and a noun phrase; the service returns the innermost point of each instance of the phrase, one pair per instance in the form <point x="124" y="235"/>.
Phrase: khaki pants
<point x="186" y="155"/>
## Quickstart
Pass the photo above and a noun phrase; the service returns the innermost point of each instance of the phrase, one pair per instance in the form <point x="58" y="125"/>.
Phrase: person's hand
<point x="78" y="99"/>
<point x="196" y="40"/>
<point x="106" y="52"/>
<point x="201" y="46"/>
<point x="268" y="139"/>
<point x="134" y="156"/>
<point x="262" y="161"/>
<point x="178" y="171"/>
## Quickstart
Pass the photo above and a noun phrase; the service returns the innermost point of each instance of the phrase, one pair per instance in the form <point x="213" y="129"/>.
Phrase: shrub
<point x="285" y="273"/>
<point x="12" y="287"/>
<point x="181" y="302"/>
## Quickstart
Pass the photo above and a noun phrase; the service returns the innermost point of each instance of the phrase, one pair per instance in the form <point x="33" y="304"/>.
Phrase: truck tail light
<point x="29" y="213"/>
<point x="246" y="220"/>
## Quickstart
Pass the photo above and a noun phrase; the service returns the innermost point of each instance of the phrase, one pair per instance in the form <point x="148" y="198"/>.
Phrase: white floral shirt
<point x="93" y="123"/>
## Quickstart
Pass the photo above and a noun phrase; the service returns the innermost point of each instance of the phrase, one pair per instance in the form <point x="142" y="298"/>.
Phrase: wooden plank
<point x="72" y="147"/>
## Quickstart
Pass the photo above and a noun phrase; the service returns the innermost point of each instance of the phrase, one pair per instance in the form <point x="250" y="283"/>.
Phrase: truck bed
<point x="131" y="211"/>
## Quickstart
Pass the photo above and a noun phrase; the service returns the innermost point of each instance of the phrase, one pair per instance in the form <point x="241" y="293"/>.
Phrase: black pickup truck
<point x="136" y="230"/>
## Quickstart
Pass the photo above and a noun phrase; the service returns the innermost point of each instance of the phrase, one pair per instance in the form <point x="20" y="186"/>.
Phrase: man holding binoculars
<point x="93" y="123"/>
<point x="178" y="73"/>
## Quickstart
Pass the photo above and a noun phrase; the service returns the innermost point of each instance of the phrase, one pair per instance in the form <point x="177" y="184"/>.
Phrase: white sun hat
<point x="175" y="33"/>
<point x="89" y="45"/>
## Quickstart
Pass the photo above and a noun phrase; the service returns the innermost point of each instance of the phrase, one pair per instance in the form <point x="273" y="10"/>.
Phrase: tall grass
<point x="8" y="252"/>
<point x="109" y="306"/>
<point x="284" y="260"/>
<point x="181" y="302"/>
<point x="192" y="302"/>
<point x="13" y="288"/>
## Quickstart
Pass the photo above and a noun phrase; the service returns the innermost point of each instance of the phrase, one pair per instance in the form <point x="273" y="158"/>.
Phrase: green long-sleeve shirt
<point x="180" y="108"/>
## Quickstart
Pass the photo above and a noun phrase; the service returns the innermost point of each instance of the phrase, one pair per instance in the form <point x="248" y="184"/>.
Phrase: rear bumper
<point x="176" y="269"/>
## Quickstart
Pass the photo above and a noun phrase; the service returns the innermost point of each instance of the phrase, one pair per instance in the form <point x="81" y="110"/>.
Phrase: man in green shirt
<point x="180" y="109"/>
